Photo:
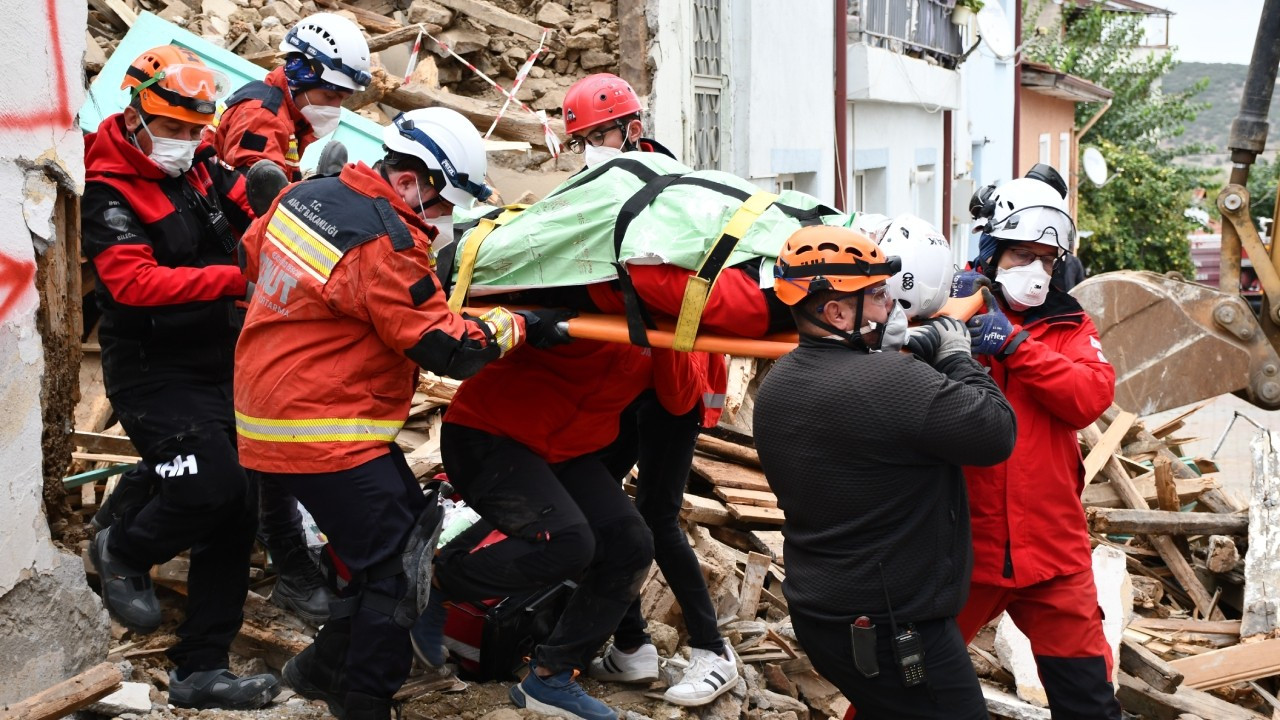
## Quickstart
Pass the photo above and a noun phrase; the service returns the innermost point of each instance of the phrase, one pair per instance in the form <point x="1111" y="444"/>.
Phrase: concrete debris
<point x="132" y="697"/>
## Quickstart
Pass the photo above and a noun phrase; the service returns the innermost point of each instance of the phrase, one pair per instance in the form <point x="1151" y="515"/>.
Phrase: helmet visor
<point x="195" y="81"/>
<point x="1042" y="224"/>
<point x="361" y="78"/>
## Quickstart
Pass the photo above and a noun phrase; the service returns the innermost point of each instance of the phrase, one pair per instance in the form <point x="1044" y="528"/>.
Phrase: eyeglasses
<point x="879" y="295"/>
<point x="1021" y="257"/>
<point x="594" y="138"/>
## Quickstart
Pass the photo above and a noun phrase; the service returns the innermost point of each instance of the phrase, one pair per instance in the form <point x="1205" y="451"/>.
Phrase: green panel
<point x="362" y="136"/>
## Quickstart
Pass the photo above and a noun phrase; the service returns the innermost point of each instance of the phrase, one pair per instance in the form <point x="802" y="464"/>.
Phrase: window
<point x="786" y="181"/>
<point x="859" y="191"/>
<point x="1064" y="155"/>
<point x="1046" y="149"/>
<point x="708" y="84"/>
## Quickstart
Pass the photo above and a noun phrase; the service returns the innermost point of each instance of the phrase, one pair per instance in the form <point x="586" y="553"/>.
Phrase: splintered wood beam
<point x="752" y="584"/>
<point x="67" y="696"/>
<point x="1140" y="698"/>
<point x="740" y="454"/>
<point x="1262" y="560"/>
<point x="1142" y="663"/>
<point x="1238" y="663"/>
<point x="1145" y="522"/>
<point x="1106" y="445"/>
<point x="516" y="124"/>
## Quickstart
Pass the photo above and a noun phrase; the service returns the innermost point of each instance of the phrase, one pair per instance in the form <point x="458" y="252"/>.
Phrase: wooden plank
<point x="105" y="457"/>
<point x="1144" y="664"/>
<point x="1221" y="627"/>
<point x="724" y="474"/>
<point x="67" y="696"/>
<point x="123" y="11"/>
<point x="704" y="511"/>
<point x="1140" y="698"/>
<point x="752" y="583"/>
<point x="1106" y="446"/>
<point x="1104" y="495"/>
<point x="97" y="442"/>
<point x="759" y="498"/>
<point x="750" y="513"/>
<point x="516" y="124"/>
<point x="497" y="17"/>
<point x="769" y="542"/>
<point x="1174" y="423"/>
<point x="1108" y="520"/>
<point x="94" y="476"/>
<point x="369" y="20"/>
<point x="1262" y="559"/>
<point x="1166" y="490"/>
<point x="94" y="409"/>
<point x="726" y="450"/>
<point x="1239" y="663"/>
<point x="399" y="37"/>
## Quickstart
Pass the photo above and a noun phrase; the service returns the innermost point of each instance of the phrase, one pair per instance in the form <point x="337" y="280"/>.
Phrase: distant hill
<point x="1226" y="85"/>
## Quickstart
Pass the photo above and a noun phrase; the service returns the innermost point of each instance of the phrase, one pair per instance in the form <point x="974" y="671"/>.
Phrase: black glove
<point x="938" y="338"/>
<point x="547" y="327"/>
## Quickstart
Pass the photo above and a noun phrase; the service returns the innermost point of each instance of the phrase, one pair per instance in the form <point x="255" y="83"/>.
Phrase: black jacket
<point x="864" y="452"/>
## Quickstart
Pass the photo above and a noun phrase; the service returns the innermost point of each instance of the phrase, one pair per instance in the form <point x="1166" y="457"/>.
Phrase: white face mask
<point x="324" y="119"/>
<point x="174" y="157"/>
<point x="894" y="333"/>
<point x="1024" y="287"/>
<point x="444" y="232"/>
<point x="594" y="155"/>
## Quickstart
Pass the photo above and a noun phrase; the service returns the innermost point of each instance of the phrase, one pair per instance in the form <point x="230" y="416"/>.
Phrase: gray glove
<point x="938" y="338"/>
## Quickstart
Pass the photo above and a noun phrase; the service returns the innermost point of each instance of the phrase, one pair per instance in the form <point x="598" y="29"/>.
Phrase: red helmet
<point x="597" y="99"/>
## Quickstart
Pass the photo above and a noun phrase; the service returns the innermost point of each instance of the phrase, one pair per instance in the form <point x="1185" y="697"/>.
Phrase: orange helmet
<point x="174" y="82"/>
<point x="597" y="99"/>
<point x="825" y="257"/>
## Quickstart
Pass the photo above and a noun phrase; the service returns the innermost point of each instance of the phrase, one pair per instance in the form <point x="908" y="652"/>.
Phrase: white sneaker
<point x="708" y="677"/>
<point x="637" y="666"/>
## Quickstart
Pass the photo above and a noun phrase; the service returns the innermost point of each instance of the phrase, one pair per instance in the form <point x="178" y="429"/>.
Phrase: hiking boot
<point x="427" y="634"/>
<point x="708" y="676"/>
<point x="559" y="696"/>
<point x="128" y="593"/>
<point x="301" y="674"/>
<point x="133" y="489"/>
<point x="262" y="183"/>
<point x="332" y="158"/>
<point x="222" y="690"/>
<point x="367" y="707"/>
<point x="638" y="666"/>
<point x="300" y="587"/>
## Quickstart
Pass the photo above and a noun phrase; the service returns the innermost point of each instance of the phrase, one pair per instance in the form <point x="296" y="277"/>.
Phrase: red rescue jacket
<point x="1028" y="523"/>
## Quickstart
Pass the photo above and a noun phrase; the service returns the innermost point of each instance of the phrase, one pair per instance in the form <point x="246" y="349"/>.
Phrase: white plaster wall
<point x="671" y="94"/>
<point x="900" y="136"/>
<point x="38" y="138"/>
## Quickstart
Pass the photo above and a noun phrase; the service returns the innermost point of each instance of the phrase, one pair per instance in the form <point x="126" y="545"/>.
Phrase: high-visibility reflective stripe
<point x="313" y="251"/>
<point x="713" y="400"/>
<point x="317" y="429"/>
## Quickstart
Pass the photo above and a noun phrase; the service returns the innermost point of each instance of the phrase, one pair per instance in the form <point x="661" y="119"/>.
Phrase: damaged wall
<point x="51" y="624"/>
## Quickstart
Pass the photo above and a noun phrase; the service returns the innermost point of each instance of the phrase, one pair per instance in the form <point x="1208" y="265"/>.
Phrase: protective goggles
<point x="595" y="138"/>
<point x="459" y="180"/>
<point x="1042" y="224"/>
<point x="194" y="87"/>
<point x="360" y="77"/>
<point x="1021" y="257"/>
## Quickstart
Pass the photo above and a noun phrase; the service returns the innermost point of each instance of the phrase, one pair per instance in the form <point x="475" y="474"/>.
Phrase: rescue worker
<point x="167" y="282"/>
<point x="863" y="449"/>
<point x="276" y="119"/>
<point x="602" y="117"/>
<point x="1031" y="544"/>
<point x="347" y="309"/>
<point x="326" y="60"/>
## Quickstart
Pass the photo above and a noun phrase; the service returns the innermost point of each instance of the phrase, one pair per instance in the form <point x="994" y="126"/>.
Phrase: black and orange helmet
<point x="174" y="82"/>
<point x="825" y="257"/>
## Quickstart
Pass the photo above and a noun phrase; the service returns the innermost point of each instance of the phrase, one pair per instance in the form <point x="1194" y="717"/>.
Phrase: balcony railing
<point x="917" y="27"/>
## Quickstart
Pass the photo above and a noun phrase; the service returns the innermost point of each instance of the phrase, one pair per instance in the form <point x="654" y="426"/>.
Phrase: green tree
<point x="1137" y="217"/>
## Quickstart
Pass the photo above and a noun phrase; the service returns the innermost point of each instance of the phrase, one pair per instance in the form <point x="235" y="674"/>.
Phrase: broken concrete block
<point x="1014" y="650"/>
<point x="602" y="10"/>
<point x="425" y="11"/>
<point x="218" y="8"/>
<point x="1223" y="555"/>
<point x="425" y="72"/>
<point x="585" y="41"/>
<point x="282" y="11"/>
<point x="595" y="58"/>
<point x="177" y="12"/>
<point x="664" y="637"/>
<point x="461" y="41"/>
<point x="586" y="24"/>
<point x="132" y="697"/>
<point x="554" y="15"/>
<point x="550" y="100"/>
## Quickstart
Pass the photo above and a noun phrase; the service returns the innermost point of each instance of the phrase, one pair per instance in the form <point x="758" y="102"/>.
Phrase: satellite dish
<point x="1095" y="166"/>
<point x="993" y="28"/>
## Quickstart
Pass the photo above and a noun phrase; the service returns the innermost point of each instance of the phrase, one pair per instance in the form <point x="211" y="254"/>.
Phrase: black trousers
<point x="568" y="521"/>
<point x="952" y="692"/>
<point x="206" y="502"/>
<point x="663" y="445"/>
<point x="278" y="518"/>
<point x="367" y="513"/>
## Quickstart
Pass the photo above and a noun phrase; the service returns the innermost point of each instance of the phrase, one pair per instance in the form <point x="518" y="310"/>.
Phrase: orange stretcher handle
<point x="613" y="328"/>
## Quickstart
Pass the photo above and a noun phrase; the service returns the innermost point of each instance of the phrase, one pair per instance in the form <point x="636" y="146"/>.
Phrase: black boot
<point x="133" y="489"/>
<point x="367" y="707"/>
<point x="299" y="587"/>
<point x="316" y="673"/>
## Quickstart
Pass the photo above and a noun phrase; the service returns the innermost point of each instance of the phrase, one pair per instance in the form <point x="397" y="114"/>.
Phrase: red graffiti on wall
<point x="15" y="281"/>
<point x="61" y="113"/>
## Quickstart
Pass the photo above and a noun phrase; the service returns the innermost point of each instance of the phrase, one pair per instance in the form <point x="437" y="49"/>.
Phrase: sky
<point x="1203" y="30"/>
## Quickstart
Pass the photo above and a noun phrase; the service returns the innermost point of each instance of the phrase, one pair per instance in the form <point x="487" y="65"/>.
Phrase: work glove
<point x="938" y="338"/>
<point x="547" y="327"/>
<point x="992" y="331"/>
<point x="967" y="282"/>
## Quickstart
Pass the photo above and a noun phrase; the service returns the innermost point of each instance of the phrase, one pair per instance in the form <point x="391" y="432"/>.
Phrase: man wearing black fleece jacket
<point x="863" y="450"/>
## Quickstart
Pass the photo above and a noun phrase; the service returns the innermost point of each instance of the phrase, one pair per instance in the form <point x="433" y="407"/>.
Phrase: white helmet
<point x="448" y="143"/>
<point x="1029" y="210"/>
<point x="336" y="44"/>
<point x="924" y="283"/>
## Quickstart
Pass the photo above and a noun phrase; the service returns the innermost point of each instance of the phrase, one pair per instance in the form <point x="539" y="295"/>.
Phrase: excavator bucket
<point x="1174" y="342"/>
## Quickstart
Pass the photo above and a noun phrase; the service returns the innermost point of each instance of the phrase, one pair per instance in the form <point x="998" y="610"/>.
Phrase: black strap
<point x="270" y="95"/>
<point x="891" y="267"/>
<point x="637" y="203"/>
<point x="635" y="167"/>
<point x="400" y="238"/>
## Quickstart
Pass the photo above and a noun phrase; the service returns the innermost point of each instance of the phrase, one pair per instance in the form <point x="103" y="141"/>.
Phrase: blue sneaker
<point x="559" y="696"/>
<point x="427" y="634"/>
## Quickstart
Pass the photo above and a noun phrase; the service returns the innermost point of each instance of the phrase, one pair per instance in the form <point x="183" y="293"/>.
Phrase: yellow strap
<point x="471" y="250"/>
<point x="698" y="290"/>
